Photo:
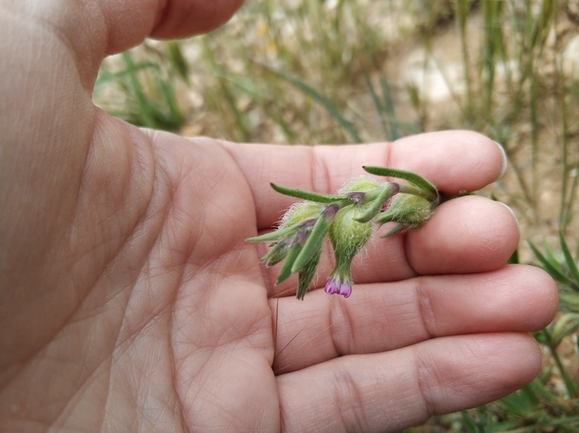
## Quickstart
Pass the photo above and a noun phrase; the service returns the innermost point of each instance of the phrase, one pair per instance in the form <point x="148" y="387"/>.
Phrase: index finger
<point x="452" y="160"/>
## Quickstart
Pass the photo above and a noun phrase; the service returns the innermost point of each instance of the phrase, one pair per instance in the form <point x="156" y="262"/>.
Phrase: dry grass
<point x="337" y="71"/>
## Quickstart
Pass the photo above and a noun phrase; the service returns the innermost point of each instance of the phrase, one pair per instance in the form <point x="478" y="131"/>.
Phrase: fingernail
<point x="513" y="214"/>
<point x="504" y="156"/>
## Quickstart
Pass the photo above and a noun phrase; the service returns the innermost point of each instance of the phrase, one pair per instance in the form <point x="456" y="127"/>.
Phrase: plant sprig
<point x="348" y="218"/>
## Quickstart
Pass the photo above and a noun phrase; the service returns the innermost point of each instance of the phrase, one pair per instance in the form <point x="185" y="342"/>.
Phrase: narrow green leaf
<point x="569" y="259"/>
<point x="542" y="391"/>
<point x="306" y="195"/>
<point x="552" y="259"/>
<point x="372" y="210"/>
<point x="143" y="103"/>
<point x="546" y="264"/>
<point x="177" y="60"/>
<point x="413" y="178"/>
<point x="521" y="402"/>
<point x="104" y="76"/>
<point x="570" y="384"/>
<point x="505" y="426"/>
<point x="565" y="325"/>
<point x="273" y="235"/>
<point x="543" y="336"/>
<point x="570" y="300"/>
<point x="469" y="422"/>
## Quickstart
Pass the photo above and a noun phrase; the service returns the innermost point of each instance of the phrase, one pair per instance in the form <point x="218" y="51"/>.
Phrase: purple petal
<point x="336" y="286"/>
<point x="345" y="289"/>
<point x="331" y="287"/>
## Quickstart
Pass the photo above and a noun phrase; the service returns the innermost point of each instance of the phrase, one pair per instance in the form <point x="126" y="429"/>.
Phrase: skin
<point x="130" y="301"/>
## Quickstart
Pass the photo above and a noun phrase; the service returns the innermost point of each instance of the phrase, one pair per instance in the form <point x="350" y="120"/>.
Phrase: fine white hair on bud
<point x="360" y="183"/>
<point x="301" y="211"/>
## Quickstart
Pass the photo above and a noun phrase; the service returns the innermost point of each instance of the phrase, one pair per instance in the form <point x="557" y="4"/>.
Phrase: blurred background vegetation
<point x="349" y="71"/>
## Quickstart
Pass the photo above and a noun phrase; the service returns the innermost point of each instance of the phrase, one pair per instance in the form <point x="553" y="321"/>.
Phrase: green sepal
<point x="306" y="275"/>
<point x="306" y="195"/>
<point x="375" y="206"/>
<point x="314" y="242"/>
<point x="278" y="251"/>
<point x="412" y="178"/>
<point x="286" y="269"/>
<point x="407" y="209"/>
<point x="395" y="230"/>
<point x="273" y="235"/>
<point x="312" y="245"/>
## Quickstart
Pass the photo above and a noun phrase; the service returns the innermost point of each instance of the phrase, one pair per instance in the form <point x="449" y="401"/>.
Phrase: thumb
<point x="94" y="29"/>
<point x="65" y="167"/>
<point x="129" y="22"/>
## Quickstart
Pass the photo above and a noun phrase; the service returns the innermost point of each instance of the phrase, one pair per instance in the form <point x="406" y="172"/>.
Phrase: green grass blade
<point x="177" y="60"/>
<point x="377" y="106"/>
<point x="105" y="77"/>
<point x="571" y="265"/>
<point x="275" y="112"/>
<point x="555" y="262"/>
<point x="570" y="384"/>
<point x="542" y="391"/>
<point x="548" y="266"/>
<point x="322" y="100"/>
<point x="389" y="104"/>
<point x="565" y="325"/>
<point x="173" y="119"/>
<point x="143" y="103"/>
<point x="514" y="259"/>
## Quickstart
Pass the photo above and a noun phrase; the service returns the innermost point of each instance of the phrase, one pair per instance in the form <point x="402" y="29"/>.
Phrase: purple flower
<point x="335" y="285"/>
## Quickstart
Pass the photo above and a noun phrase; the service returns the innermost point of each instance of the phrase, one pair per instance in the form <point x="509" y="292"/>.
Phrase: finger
<point x="98" y="28"/>
<point x="453" y="160"/>
<point x="468" y="234"/>
<point x="384" y="317"/>
<point x="394" y="390"/>
<point x="127" y="23"/>
<point x="183" y="18"/>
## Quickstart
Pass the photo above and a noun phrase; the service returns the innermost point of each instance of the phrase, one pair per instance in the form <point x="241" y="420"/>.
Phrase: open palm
<point x="130" y="300"/>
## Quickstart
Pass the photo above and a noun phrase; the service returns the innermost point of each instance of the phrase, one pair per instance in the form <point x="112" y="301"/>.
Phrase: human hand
<point x="130" y="301"/>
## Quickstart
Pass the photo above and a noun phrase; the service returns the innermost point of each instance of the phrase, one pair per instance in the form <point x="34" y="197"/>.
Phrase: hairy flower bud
<point x="359" y="184"/>
<point x="348" y="236"/>
<point x="300" y="212"/>
<point x="407" y="210"/>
